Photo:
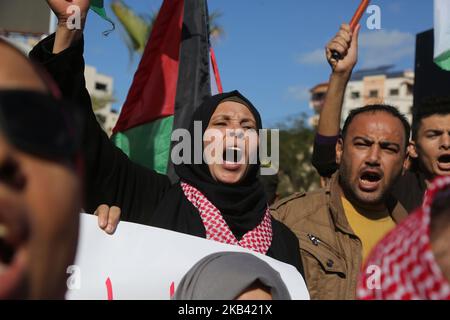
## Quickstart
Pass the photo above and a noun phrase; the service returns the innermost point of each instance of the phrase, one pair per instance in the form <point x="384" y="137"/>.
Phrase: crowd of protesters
<point x="378" y="229"/>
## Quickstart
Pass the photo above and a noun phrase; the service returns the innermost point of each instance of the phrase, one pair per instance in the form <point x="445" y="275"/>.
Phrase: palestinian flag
<point x="442" y="33"/>
<point x="172" y="80"/>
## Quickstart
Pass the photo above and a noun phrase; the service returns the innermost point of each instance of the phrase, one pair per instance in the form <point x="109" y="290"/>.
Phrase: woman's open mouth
<point x="369" y="180"/>
<point x="444" y="162"/>
<point x="12" y="259"/>
<point x="233" y="158"/>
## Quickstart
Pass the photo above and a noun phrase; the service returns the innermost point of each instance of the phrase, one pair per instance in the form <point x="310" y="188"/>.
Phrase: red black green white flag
<point x="442" y="33"/>
<point x="172" y="80"/>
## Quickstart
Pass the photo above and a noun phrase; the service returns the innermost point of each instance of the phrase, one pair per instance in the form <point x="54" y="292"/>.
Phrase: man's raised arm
<point x="111" y="179"/>
<point x="346" y="44"/>
<point x="68" y="30"/>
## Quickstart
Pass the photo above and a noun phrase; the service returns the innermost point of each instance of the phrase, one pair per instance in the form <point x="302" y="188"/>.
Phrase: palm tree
<point x="138" y="27"/>
<point x="216" y="31"/>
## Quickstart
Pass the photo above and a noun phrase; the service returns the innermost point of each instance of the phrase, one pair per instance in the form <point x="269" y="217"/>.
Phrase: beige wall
<point x="375" y="83"/>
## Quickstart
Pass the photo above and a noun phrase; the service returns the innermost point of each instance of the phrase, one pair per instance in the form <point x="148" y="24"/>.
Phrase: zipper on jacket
<point x="315" y="241"/>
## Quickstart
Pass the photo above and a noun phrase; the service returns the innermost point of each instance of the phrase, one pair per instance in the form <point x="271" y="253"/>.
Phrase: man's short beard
<point x="352" y="196"/>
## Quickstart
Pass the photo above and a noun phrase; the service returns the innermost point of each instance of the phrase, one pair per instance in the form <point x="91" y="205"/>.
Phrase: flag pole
<point x="216" y="70"/>
<point x="354" y="23"/>
<point x="359" y="13"/>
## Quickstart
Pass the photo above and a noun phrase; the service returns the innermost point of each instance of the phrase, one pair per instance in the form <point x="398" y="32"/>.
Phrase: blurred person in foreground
<point x="413" y="261"/>
<point x="40" y="197"/>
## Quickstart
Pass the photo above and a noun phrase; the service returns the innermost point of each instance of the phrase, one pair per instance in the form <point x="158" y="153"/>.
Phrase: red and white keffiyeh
<point x="258" y="239"/>
<point x="403" y="266"/>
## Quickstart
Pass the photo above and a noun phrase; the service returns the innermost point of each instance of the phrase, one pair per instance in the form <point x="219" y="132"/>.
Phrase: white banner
<point x="145" y="263"/>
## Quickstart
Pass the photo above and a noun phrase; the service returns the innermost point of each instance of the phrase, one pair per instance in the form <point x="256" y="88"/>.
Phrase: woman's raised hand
<point x="62" y="9"/>
<point x="71" y="16"/>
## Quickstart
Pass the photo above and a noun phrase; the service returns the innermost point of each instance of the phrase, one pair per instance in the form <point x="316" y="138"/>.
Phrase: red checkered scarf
<point x="405" y="261"/>
<point x="258" y="239"/>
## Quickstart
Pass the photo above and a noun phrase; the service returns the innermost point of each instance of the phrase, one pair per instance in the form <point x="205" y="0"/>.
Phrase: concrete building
<point x="101" y="90"/>
<point x="99" y="86"/>
<point x="24" y="23"/>
<point x="371" y="86"/>
<point x="318" y="94"/>
<point x="380" y="85"/>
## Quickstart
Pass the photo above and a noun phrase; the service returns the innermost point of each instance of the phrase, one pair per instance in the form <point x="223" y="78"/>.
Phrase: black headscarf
<point x="242" y="205"/>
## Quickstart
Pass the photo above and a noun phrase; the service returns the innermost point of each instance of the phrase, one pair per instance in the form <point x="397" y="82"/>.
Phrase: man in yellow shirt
<point x="371" y="227"/>
<point x="337" y="226"/>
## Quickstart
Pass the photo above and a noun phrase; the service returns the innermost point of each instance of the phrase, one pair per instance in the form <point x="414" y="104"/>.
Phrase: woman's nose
<point x="235" y="133"/>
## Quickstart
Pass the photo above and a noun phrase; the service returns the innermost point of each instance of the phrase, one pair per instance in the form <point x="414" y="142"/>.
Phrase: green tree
<point x="296" y="146"/>
<point x="138" y="26"/>
<point x="216" y="31"/>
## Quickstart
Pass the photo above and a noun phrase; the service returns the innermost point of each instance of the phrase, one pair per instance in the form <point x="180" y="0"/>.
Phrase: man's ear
<point x="412" y="150"/>
<point x="339" y="150"/>
<point x="410" y="155"/>
<point x="406" y="164"/>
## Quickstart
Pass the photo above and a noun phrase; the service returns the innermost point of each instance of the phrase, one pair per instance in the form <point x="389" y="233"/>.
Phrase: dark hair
<point x="430" y="107"/>
<point x="378" y="108"/>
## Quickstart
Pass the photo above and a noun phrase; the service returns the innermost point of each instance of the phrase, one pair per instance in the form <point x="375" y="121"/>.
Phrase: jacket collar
<point x="333" y="190"/>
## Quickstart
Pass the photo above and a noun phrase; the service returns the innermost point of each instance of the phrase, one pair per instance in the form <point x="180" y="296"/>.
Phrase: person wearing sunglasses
<point x="40" y="189"/>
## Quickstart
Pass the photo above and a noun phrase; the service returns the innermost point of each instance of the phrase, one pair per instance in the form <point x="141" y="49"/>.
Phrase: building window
<point x="394" y="92"/>
<point x="373" y="94"/>
<point x="356" y="95"/>
<point x="101" y="119"/>
<point x="318" y="96"/>
<point x="101" y="86"/>
<point x="410" y="90"/>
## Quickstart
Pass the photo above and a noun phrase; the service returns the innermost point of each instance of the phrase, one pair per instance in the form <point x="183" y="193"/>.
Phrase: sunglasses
<point x="41" y="125"/>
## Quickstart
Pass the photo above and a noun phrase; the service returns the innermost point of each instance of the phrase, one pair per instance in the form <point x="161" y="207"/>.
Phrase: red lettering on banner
<point x="109" y="289"/>
<point x="172" y="290"/>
